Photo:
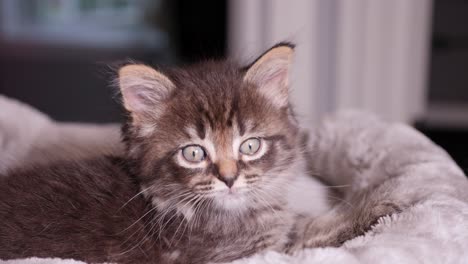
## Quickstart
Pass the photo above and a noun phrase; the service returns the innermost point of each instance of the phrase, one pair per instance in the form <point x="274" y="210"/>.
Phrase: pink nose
<point x="227" y="172"/>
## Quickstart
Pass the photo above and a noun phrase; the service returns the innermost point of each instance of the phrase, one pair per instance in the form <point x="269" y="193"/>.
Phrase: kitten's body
<point x="71" y="211"/>
<point x="80" y="211"/>
<point x="211" y="155"/>
<point x="159" y="204"/>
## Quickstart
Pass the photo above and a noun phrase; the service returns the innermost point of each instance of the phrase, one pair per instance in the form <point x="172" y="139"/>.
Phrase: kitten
<point x="211" y="151"/>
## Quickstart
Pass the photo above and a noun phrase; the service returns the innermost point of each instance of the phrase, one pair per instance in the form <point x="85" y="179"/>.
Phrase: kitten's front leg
<point x="337" y="226"/>
<point x="324" y="231"/>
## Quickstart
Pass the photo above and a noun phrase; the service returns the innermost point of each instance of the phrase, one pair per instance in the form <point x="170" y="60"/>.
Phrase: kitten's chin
<point x="231" y="201"/>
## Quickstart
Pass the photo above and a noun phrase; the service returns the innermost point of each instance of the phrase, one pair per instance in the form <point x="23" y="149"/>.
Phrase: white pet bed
<point x="358" y="150"/>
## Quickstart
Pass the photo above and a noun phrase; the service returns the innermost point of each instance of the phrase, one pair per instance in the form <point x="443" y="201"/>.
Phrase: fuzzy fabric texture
<point x="359" y="150"/>
<point x="29" y="137"/>
<point x="355" y="150"/>
<point x="41" y="261"/>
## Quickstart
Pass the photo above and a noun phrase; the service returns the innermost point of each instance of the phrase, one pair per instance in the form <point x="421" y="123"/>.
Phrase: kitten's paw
<point x="335" y="229"/>
<point x="316" y="234"/>
<point x="319" y="240"/>
<point x="368" y="218"/>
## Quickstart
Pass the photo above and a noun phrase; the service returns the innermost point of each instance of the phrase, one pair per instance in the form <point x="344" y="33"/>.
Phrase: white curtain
<point x="361" y="54"/>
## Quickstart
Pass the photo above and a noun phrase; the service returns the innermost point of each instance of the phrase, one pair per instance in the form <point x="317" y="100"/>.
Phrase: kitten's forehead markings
<point x="249" y="125"/>
<point x="229" y="113"/>
<point x="223" y="140"/>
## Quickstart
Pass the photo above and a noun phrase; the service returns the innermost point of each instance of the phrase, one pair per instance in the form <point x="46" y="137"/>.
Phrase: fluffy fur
<point x="158" y="205"/>
<point x="153" y="205"/>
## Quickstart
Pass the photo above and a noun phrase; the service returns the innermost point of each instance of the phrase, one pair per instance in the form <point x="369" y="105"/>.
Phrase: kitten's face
<point x="216" y="138"/>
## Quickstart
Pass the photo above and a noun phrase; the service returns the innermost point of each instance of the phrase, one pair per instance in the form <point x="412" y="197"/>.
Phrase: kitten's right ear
<point x="270" y="73"/>
<point x="143" y="90"/>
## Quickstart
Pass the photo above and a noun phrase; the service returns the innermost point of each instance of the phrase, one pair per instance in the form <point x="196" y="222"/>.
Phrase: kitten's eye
<point x="250" y="146"/>
<point x="193" y="153"/>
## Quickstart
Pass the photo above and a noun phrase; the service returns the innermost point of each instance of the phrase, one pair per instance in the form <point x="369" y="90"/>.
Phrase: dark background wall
<point x="448" y="79"/>
<point x="71" y="81"/>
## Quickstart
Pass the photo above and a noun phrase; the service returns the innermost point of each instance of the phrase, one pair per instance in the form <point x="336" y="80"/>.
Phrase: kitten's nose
<point x="227" y="172"/>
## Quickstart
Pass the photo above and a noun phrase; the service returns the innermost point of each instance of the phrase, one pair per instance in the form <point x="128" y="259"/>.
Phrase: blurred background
<point x="403" y="60"/>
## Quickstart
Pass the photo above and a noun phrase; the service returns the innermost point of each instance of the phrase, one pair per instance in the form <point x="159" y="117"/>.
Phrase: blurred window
<point x="105" y="23"/>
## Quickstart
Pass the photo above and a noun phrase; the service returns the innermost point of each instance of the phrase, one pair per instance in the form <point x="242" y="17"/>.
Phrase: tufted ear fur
<point x="270" y="73"/>
<point x="144" y="90"/>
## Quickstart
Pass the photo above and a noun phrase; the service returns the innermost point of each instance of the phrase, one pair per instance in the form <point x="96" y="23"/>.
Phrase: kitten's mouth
<point x="232" y="192"/>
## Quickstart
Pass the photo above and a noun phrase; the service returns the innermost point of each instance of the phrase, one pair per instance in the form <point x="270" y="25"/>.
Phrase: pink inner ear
<point x="272" y="82"/>
<point x="137" y="99"/>
<point x="274" y="77"/>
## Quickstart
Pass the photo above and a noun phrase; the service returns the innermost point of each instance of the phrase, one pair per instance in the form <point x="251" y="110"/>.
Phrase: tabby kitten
<point x="211" y="151"/>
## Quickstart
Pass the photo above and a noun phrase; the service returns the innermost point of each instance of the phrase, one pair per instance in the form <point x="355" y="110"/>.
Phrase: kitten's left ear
<point x="270" y="73"/>
<point x="144" y="90"/>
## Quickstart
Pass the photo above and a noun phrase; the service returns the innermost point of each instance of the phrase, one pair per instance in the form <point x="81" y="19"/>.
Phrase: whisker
<point x="341" y="200"/>
<point x="134" y="223"/>
<point x="163" y="226"/>
<point x="144" y="226"/>
<point x="197" y="205"/>
<point x="196" y="197"/>
<point x="136" y="195"/>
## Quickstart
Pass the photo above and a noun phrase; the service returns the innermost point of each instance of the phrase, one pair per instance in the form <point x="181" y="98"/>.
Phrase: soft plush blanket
<point x="358" y="151"/>
<point x="29" y="137"/>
